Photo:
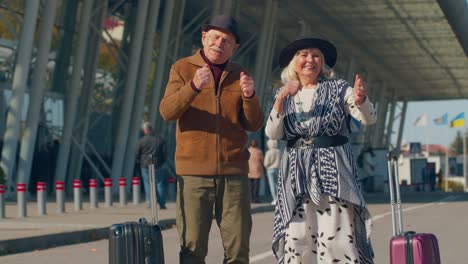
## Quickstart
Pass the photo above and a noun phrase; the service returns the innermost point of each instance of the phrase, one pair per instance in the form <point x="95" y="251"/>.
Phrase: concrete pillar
<point x="74" y="92"/>
<point x="129" y="93"/>
<point x="141" y="87"/>
<point x="161" y="67"/>
<point x="38" y="87"/>
<point x="20" y="78"/>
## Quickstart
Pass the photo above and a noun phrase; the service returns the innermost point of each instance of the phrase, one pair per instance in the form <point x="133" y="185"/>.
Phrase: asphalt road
<point x="444" y="215"/>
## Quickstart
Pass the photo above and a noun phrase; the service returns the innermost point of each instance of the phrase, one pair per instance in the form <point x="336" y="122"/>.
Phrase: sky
<point x="431" y="133"/>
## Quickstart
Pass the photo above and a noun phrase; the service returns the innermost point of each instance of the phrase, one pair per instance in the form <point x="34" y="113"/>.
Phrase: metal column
<point x="20" y="78"/>
<point x="351" y="72"/>
<point x="142" y="84"/>
<point x="62" y="63"/>
<point x="129" y="93"/>
<point x="160" y="71"/>
<point x="402" y="124"/>
<point x="266" y="87"/>
<point x="381" y="116"/>
<point x="376" y="94"/>
<point x="37" y="93"/>
<point x="222" y="7"/>
<point x="74" y="92"/>
<point x="388" y="134"/>
<point x="179" y="26"/>
<point x="89" y="77"/>
<point x="264" y="47"/>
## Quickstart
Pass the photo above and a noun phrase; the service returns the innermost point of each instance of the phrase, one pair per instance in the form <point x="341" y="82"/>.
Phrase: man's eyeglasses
<point x="215" y="38"/>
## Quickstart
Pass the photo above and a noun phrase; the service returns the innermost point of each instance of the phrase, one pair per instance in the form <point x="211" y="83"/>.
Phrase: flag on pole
<point x="420" y="121"/>
<point x="458" y="121"/>
<point x="441" y="120"/>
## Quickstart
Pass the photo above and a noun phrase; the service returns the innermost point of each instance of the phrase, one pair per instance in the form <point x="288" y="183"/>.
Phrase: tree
<point x="457" y="144"/>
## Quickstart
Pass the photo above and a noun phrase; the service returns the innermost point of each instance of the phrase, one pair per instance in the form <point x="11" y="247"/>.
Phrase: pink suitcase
<point x="407" y="247"/>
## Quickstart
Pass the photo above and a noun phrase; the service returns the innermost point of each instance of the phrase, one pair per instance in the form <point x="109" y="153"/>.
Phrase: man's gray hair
<point x="147" y="126"/>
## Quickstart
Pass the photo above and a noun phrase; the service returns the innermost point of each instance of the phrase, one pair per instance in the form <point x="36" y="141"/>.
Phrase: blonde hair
<point x="289" y="72"/>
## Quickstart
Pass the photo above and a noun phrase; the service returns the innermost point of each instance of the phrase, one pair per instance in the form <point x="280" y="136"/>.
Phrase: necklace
<point x="303" y="115"/>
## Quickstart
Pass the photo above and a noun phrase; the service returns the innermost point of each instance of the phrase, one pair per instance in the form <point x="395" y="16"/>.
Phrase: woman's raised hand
<point x="360" y="90"/>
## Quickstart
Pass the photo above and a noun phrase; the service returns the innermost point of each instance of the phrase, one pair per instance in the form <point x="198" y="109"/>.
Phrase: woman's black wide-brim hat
<point x="326" y="47"/>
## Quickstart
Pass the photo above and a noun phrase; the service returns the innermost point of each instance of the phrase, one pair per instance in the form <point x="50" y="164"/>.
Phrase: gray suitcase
<point x="138" y="242"/>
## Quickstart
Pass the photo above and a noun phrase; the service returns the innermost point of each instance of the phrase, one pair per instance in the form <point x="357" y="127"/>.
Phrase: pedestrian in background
<point x="256" y="170"/>
<point x="272" y="164"/>
<point x="152" y="147"/>
<point x="214" y="103"/>
<point x="321" y="215"/>
<point x="366" y="168"/>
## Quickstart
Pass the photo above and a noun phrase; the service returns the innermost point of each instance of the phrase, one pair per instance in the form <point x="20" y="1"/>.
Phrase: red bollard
<point x="60" y="196"/>
<point x="108" y="192"/>
<point x="2" y="201"/>
<point x="93" y="184"/>
<point x="122" y="191"/>
<point x="21" y="194"/>
<point x="41" y="198"/>
<point x="77" y="195"/>
<point x="171" y="190"/>
<point x="136" y="190"/>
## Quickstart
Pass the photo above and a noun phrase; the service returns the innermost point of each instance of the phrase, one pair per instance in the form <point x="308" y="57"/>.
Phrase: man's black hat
<point x="223" y="22"/>
<point x="325" y="46"/>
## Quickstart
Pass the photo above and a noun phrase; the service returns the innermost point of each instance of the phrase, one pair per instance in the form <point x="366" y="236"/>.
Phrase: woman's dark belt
<point x="317" y="142"/>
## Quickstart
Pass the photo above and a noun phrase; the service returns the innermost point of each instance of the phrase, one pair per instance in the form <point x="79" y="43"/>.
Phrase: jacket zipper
<point x="218" y="114"/>
<point x="218" y="144"/>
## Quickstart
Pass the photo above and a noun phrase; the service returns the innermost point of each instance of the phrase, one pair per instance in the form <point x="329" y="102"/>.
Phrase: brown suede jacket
<point x="211" y="137"/>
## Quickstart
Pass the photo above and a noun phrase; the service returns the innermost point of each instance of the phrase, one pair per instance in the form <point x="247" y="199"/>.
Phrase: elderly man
<point x="214" y="103"/>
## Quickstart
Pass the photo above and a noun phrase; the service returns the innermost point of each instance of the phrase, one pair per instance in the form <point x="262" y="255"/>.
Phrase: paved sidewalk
<point x="38" y="232"/>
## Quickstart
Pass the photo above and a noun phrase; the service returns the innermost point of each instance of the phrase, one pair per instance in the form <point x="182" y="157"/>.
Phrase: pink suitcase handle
<point x="394" y="185"/>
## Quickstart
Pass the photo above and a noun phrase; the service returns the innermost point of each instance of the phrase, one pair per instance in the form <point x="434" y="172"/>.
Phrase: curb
<point x="28" y="244"/>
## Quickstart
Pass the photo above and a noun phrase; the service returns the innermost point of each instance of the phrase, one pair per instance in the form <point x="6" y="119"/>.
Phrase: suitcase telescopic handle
<point x="394" y="185"/>
<point x="152" y="181"/>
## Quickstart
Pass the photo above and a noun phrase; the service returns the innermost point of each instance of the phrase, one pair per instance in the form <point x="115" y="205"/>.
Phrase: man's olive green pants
<point x="229" y="196"/>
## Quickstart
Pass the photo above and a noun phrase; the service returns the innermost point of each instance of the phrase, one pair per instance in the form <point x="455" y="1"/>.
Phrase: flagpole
<point x="465" y="176"/>
<point x="427" y="143"/>
<point x="446" y="168"/>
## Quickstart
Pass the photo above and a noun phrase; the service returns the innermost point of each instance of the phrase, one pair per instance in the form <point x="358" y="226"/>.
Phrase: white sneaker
<point x="273" y="202"/>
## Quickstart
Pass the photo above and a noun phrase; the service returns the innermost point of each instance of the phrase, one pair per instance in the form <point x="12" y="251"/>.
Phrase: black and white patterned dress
<point x="314" y="180"/>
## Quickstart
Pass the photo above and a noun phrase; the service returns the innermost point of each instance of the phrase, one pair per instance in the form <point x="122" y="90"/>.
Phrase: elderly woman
<point x="321" y="215"/>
